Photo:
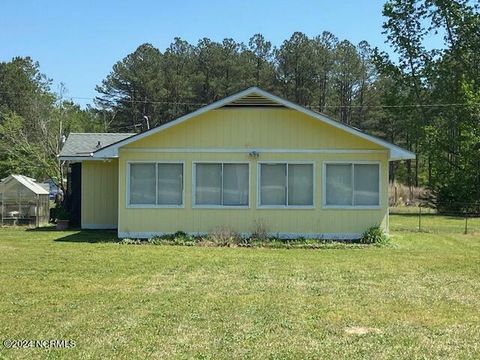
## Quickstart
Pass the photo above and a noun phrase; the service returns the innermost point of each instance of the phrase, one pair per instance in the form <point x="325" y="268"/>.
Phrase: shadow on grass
<point x="91" y="236"/>
<point x="413" y="214"/>
<point x="80" y="236"/>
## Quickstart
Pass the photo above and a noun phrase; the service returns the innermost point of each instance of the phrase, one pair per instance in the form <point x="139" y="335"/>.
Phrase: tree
<point x="33" y="121"/>
<point x="405" y="32"/>
<point x="346" y="79"/>
<point x="295" y="68"/>
<point x="324" y="50"/>
<point x="447" y="133"/>
<point x="134" y="90"/>
<point x="23" y="87"/>
<point x="263" y="54"/>
<point x="454" y="136"/>
<point x="25" y="105"/>
<point x="178" y="64"/>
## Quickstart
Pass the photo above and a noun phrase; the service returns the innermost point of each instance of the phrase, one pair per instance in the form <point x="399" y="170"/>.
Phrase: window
<point x="169" y="184"/>
<point x="285" y="184"/>
<point x="142" y="184"/>
<point x="350" y="184"/>
<point x="221" y="184"/>
<point x="155" y="184"/>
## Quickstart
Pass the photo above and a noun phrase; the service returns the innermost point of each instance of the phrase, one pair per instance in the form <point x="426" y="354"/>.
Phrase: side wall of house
<point x="146" y="222"/>
<point x="225" y="135"/>
<point x="99" y="194"/>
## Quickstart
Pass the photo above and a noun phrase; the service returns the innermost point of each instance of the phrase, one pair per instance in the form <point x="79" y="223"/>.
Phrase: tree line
<point x="326" y="74"/>
<point x="425" y="100"/>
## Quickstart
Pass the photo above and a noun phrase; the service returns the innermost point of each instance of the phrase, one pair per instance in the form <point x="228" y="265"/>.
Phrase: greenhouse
<point x="23" y="202"/>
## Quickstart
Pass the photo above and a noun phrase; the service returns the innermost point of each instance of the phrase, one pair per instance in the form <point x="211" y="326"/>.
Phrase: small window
<point x="221" y="184"/>
<point x="350" y="184"/>
<point x="286" y="185"/>
<point x="156" y="184"/>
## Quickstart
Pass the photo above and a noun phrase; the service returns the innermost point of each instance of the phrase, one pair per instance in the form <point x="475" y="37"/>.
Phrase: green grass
<point x="420" y="297"/>
<point x="431" y="223"/>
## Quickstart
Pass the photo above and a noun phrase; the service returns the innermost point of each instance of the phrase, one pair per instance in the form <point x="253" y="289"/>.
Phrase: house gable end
<point x="336" y="135"/>
<point x="251" y="128"/>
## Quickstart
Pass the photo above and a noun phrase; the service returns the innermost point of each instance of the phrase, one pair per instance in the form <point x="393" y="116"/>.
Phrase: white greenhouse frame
<point x="23" y="202"/>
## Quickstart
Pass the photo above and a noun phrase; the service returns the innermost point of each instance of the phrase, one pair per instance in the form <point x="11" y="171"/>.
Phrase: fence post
<point x="420" y="218"/>
<point x="466" y="223"/>
<point x="1" y="207"/>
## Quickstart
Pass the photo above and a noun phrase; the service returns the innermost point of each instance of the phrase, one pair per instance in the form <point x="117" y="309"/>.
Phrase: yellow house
<point x="250" y="162"/>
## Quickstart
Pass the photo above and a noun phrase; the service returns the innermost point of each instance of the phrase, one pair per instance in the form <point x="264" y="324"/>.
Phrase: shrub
<point x="178" y="238"/>
<point x="128" y="241"/>
<point x="62" y="213"/>
<point x="259" y="230"/>
<point x="374" y="235"/>
<point x="224" y="236"/>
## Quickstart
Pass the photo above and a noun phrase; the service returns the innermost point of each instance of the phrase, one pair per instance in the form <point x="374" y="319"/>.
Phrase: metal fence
<point x="453" y="218"/>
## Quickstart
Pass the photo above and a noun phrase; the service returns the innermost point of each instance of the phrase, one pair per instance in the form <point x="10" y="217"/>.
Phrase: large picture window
<point x="221" y="184"/>
<point x="286" y="184"/>
<point x="155" y="184"/>
<point x="351" y="184"/>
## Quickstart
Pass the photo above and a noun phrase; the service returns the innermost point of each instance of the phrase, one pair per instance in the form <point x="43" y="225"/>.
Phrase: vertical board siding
<point x="254" y="127"/>
<point x="238" y="128"/>
<point x="188" y="219"/>
<point x="100" y="194"/>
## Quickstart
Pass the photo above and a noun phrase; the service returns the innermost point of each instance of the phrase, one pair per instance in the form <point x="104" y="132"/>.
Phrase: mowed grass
<point x="432" y="223"/>
<point x="418" y="298"/>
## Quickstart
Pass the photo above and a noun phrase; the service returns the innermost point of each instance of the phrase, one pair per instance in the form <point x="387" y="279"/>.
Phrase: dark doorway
<point x="73" y="201"/>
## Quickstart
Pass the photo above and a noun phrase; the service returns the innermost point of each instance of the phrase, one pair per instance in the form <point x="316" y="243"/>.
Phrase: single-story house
<point x="249" y="162"/>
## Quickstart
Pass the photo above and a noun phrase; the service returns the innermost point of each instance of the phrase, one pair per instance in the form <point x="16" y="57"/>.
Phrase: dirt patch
<point x="360" y="330"/>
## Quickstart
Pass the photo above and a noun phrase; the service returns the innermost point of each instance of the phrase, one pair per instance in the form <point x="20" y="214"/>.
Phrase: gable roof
<point x="82" y="145"/>
<point x="255" y="96"/>
<point x="26" y="181"/>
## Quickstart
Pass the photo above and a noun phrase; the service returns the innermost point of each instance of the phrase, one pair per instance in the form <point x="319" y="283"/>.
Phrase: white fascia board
<point x="396" y="152"/>
<point x="400" y="153"/>
<point x="84" y="158"/>
<point x="112" y="151"/>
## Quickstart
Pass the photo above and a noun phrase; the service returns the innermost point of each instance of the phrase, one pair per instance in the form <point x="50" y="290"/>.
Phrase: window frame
<point x="286" y="163"/>
<point x="211" y="206"/>
<point x="154" y="206"/>
<point x="353" y="163"/>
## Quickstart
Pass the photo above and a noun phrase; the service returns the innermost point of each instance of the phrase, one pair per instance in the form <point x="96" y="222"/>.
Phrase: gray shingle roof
<point x="82" y="144"/>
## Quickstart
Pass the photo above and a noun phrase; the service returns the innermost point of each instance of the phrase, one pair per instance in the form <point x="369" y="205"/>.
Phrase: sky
<point x="77" y="42"/>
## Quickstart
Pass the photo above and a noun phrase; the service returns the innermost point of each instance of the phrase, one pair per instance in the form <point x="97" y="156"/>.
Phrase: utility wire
<point x="203" y="104"/>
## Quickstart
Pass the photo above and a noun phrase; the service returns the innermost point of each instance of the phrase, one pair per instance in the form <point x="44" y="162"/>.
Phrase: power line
<point x="71" y="98"/>
<point x="129" y="101"/>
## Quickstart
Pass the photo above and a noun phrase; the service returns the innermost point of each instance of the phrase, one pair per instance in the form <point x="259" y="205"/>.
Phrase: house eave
<point x="396" y="152"/>
<point x="85" y="158"/>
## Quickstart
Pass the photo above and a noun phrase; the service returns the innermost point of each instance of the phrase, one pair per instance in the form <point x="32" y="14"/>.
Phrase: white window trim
<point x="194" y="183"/>
<point x="154" y="206"/>
<point x="286" y="162"/>
<point x="355" y="207"/>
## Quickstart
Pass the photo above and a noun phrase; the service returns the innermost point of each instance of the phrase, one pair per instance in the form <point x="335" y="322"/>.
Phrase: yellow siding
<point x="100" y="194"/>
<point x="251" y="128"/>
<point x="254" y="127"/>
<point x="317" y="220"/>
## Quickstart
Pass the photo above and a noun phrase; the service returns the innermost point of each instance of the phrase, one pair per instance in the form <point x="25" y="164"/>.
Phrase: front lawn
<point x="417" y="298"/>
